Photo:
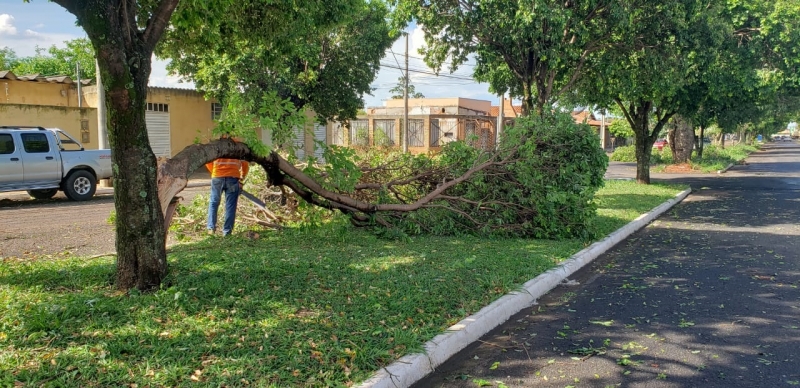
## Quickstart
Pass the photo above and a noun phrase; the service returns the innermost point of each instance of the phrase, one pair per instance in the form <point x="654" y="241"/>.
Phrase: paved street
<point x="58" y="226"/>
<point x="706" y="296"/>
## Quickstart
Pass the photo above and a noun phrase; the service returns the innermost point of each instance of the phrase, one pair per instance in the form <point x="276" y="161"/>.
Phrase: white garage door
<point x="320" y="135"/>
<point x="157" y="121"/>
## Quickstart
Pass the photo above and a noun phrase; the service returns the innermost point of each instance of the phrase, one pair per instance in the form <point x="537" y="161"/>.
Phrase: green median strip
<point x="324" y="306"/>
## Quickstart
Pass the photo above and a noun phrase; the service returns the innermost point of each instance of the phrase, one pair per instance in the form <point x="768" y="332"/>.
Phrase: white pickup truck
<point x="45" y="160"/>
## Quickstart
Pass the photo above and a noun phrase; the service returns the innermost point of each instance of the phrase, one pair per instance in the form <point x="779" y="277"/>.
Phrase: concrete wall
<point x="67" y="118"/>
<point x="38" y="93"/>
<point x="189" y="114"/>
<point x="476" y="105"/>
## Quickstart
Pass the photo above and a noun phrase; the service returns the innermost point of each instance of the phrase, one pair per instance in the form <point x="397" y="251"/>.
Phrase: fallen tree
<point x="539" y="183"/>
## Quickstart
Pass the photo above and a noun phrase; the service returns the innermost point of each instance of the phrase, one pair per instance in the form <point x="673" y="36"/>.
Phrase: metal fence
<point x="384" y="133"/>
<point x="359" y="132"/>
<point x="416" y="133"/>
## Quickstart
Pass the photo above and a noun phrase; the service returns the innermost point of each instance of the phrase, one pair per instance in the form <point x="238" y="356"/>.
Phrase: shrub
<point x="624" y="154"/>
<point x="628" y="154"/>
<point x="545" y="191"/>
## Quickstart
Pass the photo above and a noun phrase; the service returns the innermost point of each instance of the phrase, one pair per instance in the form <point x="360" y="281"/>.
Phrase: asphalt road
<point x="34" y="228"/>
<point x="706" y="296"/>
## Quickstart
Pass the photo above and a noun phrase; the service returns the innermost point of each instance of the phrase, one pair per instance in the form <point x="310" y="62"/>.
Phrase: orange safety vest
<point x="228" y="168"/>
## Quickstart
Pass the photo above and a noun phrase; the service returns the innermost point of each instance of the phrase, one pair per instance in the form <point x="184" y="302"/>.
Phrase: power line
<point x="428" y="72"/>
<point x="444" y="62"/>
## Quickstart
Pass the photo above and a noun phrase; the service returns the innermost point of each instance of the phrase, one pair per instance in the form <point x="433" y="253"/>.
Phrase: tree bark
<point x="701" y="143"/>
<point x="681" y="139"/>
<point x="124" y="58"/>
<point x="638" y="116"/>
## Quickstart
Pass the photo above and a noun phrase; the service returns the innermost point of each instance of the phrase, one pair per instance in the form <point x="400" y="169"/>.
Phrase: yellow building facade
<point x="176" y="118"/>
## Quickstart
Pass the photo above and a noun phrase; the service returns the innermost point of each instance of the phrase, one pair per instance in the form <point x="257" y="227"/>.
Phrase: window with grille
<point x="216" y="110"/>
<point x="359" y="132"/>
<point x="384" y="133"/>
<point x="416" y="133"/>
<point x="157" y="107"/>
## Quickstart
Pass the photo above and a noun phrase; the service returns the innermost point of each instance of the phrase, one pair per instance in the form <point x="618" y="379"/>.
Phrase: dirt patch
<point x="683" y="168"/>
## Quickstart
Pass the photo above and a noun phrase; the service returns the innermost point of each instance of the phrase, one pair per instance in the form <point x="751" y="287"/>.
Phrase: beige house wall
<point x="43" y="103"/>
<point x="189" y="116"/>
<point x="478" y="105"/>
<point x="67" y="118"/>
<point x="38" y="93"/>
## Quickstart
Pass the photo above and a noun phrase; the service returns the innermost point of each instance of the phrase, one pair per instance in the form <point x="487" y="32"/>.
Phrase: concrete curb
<point x="724" y="170"/>
<point x="413" y="367"/>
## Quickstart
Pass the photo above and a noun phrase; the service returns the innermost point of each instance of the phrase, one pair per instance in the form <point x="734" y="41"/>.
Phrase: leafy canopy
<point x="536" y="49"/>
<point x="54" y="60"/>
<point x="323" y="56"/>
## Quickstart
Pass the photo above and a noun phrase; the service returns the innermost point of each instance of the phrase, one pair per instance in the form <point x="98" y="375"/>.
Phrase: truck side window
<point x="6" y="144"/>
<point x="35" y="143"/>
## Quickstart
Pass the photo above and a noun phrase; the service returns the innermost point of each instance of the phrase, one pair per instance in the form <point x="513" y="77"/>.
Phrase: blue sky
<point x="23" y="26"/>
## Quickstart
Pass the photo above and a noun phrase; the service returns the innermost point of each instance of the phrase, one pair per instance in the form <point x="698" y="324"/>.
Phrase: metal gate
<point x="416" y="133"/>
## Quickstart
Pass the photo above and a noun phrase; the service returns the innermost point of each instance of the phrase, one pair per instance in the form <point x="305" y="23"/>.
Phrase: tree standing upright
<point x="124" y="34"/>
<point x="537" y="49"/>
<point x="645" y="73"/>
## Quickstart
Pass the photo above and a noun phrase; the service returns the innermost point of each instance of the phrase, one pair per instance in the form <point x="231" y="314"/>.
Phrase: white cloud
<point x="428" y="84"/>
<point x="7" y="25"/>
<point x="160" y="77"/>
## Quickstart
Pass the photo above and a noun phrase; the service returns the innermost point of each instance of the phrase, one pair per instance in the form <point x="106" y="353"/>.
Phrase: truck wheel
<point x="80" y="185"/>
<point x="42" y="194"/>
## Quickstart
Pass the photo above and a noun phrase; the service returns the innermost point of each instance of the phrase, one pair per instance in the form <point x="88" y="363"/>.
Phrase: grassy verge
<point x="313" y="307"/>
<point x="714" y="157"/>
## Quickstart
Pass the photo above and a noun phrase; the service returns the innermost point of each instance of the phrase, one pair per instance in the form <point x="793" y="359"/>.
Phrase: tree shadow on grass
<point x="308" y="308"/>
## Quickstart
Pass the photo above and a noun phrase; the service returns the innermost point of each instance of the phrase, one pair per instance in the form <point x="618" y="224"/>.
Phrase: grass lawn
<point x="306" y="307"/>
<point x="714" y="158"/>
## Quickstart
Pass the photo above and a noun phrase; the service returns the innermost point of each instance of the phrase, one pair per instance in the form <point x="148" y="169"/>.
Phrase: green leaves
<point x="536" y="49"/>
<point x="323" y="55"/>
<point x="53" y="61"/>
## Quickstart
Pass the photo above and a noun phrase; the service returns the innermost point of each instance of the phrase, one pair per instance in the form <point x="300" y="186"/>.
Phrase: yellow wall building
<point x="176" y="118"/>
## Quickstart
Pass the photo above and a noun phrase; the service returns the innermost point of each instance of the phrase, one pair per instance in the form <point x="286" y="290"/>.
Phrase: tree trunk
<point x="527" y="99"/>
<point x="124" y="59"/>
<point x="643" y="150"/>
<point x="701" y="143"/>
<point x="141" y="255"/>
<point x="681" y="139"/>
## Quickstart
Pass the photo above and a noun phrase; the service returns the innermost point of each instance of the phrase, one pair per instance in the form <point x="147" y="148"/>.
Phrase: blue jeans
<point x="230" y="186"/>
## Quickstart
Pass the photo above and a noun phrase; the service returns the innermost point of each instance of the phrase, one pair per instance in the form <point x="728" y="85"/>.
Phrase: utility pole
<point x="102" y="121"/>
<point x="78" y="77"/>
<point x="603" y="131"/>
<point x="405" y="97"/>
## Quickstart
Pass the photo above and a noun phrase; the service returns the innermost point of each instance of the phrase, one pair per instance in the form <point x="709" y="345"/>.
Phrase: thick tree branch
<point x="158" y="23"/>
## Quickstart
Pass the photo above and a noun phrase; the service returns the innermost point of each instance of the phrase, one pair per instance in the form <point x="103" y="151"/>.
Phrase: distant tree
<point x="621" y="129"/>
<point x="397" y="90"/>
<point x="60" y="61"/>
<point x="8" y="58"/>
<point x="537" y="49"/>
<point x="646" y="72"/>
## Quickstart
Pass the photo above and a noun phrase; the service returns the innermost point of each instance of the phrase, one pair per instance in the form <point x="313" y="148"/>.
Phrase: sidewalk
<point x="707" y="296"/>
